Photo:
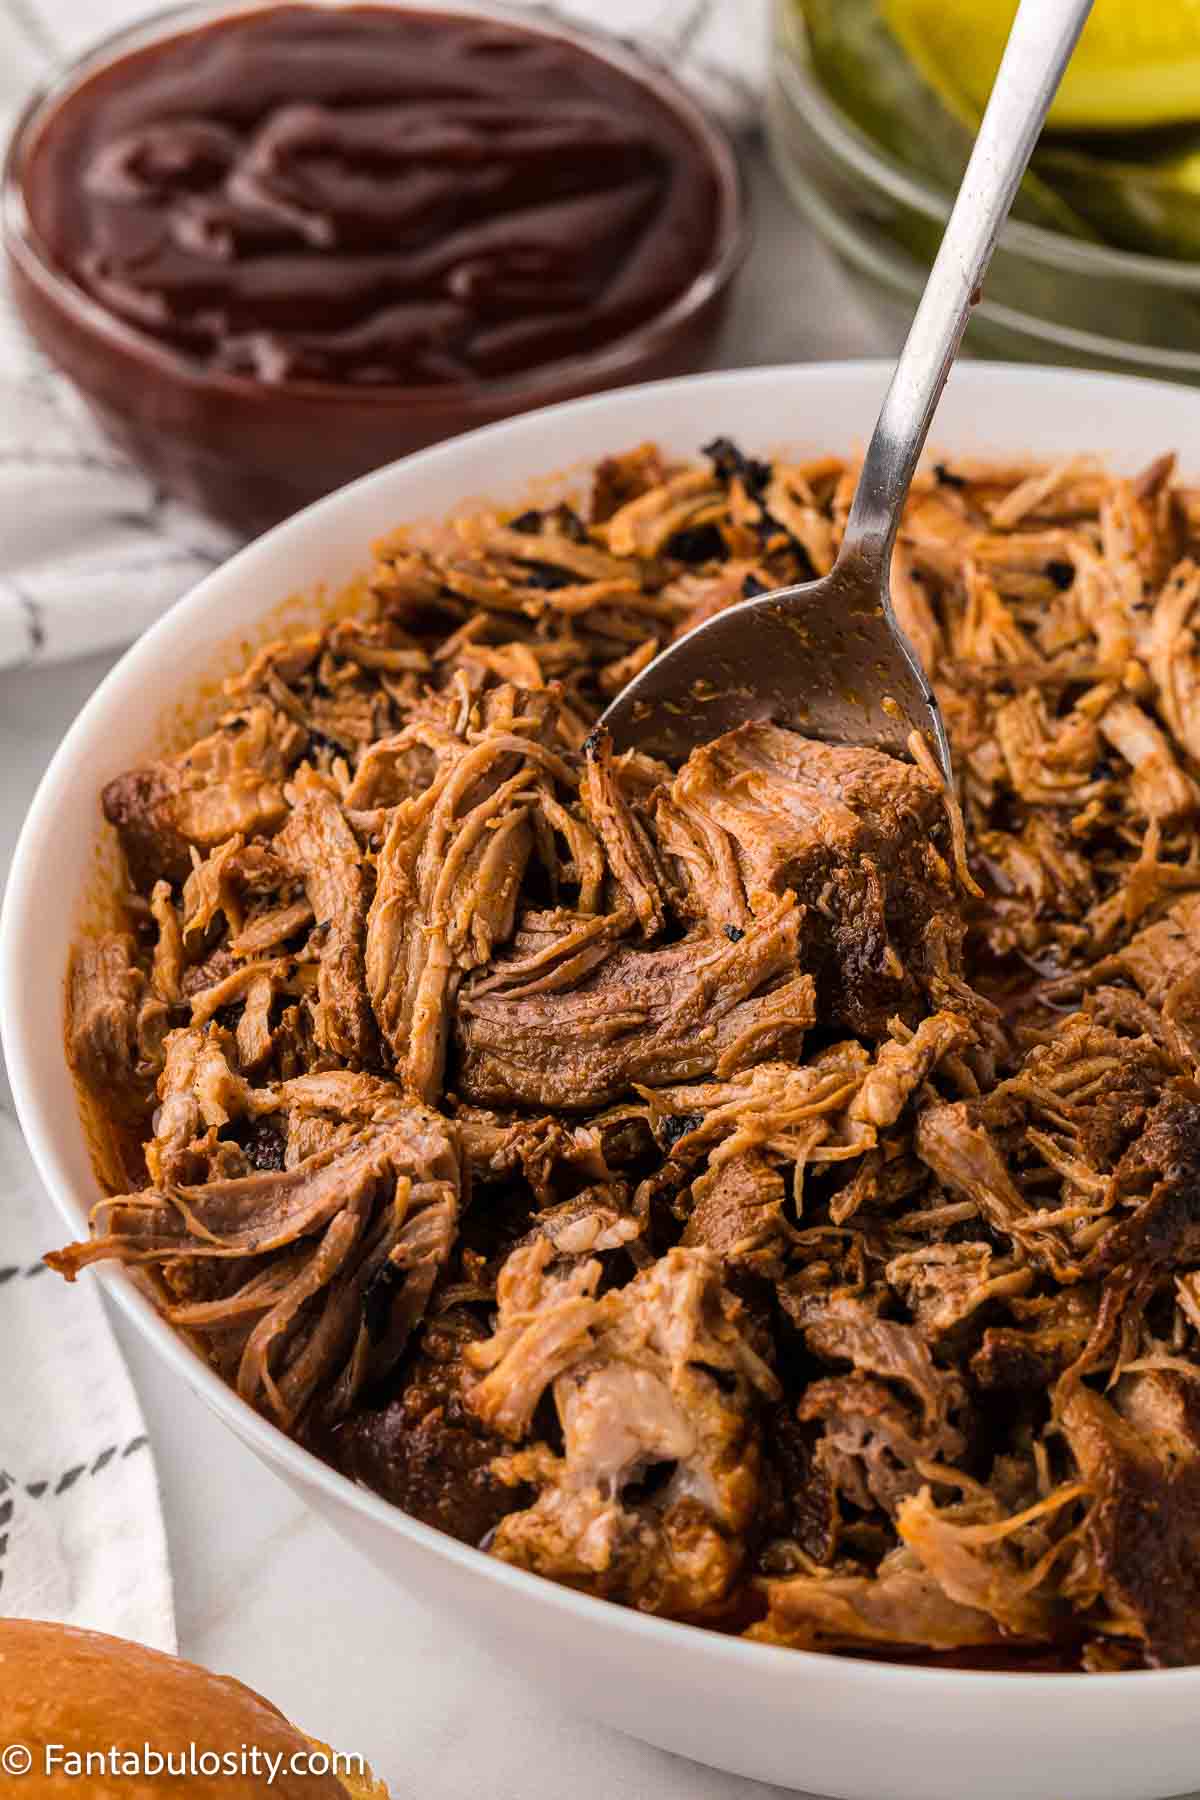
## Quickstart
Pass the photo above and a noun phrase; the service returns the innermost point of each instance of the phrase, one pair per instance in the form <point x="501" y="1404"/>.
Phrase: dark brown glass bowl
<point x="249" y="453"/>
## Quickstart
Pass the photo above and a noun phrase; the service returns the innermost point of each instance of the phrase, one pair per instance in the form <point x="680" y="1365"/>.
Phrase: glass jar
<point x="1048" y="297"/>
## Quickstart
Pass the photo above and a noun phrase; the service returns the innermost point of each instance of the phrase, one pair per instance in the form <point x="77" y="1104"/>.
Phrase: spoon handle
<point x="1043" y="35"/>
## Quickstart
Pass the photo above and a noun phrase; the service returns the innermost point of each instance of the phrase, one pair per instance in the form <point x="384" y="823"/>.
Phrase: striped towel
<point x="90" y="552"/>
<point x="81" y="1528"/>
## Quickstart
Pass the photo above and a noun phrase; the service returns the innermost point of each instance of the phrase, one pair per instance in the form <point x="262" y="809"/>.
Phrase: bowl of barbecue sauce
<point x="278" y="246"/>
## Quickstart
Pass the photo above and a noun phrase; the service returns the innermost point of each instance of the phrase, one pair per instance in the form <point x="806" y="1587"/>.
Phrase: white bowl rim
<point x="19" y="924"/>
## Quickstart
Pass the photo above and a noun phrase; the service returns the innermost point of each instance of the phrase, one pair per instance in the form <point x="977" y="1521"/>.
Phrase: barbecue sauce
<point x="369" y="195"/>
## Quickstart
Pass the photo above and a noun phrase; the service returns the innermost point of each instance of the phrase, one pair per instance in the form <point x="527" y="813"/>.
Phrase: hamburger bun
<point x="65" y="1693"/>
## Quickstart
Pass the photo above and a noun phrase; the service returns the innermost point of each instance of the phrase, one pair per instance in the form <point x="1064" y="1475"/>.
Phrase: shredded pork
<point x="761" y="1192"/>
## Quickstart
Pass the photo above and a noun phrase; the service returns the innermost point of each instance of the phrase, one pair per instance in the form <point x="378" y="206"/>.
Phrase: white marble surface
<point x="265" y="1591"/>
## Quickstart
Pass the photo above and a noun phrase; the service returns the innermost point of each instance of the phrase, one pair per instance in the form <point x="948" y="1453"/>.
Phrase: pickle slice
<point x="907" y="110"/>
<point x="1137" y="64"/>
<point x="1150" y="204"/>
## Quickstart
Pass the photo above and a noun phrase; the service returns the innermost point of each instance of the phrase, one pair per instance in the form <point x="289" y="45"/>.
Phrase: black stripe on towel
<point x="67" y="1480"/>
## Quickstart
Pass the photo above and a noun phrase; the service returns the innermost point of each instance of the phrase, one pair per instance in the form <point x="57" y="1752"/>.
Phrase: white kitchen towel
<point x="90" y="552"/>
<point x="81" y="1527"/>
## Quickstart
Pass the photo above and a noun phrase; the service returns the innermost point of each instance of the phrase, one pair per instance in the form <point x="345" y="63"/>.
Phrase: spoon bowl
<point x="825" y="658"/>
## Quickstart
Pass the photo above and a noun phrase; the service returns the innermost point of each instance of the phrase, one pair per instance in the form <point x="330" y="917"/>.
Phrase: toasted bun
<point x="85" y="1692"/>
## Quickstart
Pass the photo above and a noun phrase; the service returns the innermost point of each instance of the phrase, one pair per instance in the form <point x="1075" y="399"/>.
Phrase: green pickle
<point x="1148" y="202"/>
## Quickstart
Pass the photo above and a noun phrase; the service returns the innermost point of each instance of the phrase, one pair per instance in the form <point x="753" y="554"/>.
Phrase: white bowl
<point x="858" y="1729"/>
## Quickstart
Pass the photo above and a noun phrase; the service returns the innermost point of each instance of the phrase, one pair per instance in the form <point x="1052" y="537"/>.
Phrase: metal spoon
<point x="829" y="658"/>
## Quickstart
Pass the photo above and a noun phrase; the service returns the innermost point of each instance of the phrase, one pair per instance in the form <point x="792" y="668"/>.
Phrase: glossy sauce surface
<point x="369" y="195"/>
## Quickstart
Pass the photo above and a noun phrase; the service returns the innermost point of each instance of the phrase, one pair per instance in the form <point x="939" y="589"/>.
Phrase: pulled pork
<point x="765" y="1192"/>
